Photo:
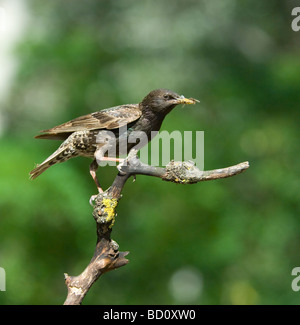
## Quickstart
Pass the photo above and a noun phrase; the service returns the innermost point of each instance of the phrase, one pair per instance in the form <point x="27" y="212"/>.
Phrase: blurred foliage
<point x="236" y="240"/>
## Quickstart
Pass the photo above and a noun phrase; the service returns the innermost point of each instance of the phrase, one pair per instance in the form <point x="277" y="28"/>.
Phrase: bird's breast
<point x="84" y="142"/>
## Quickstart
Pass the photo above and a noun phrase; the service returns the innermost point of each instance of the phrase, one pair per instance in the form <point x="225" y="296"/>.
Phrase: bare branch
<point x="107" y="256"/>
<point x="180" y="172"/>
<point x="187" y="173"/>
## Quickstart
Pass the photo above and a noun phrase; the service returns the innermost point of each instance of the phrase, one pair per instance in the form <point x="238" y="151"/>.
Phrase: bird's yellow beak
<point x="188" y="101"/>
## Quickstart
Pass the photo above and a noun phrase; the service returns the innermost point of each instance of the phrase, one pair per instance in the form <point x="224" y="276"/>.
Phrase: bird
<point x="92" y="135"/>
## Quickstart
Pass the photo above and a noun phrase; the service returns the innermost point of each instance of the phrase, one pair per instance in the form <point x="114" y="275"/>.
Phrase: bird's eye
<point x="168" y="96"/>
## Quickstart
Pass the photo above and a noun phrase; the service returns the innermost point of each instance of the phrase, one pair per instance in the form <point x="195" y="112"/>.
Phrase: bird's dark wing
<point x="110" y="118"/>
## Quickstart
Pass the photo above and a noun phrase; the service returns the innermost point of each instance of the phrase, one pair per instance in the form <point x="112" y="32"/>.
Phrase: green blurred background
<point x="231" y="241"/>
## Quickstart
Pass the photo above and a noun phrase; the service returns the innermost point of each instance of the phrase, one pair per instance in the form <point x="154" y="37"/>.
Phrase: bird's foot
<point x="92" y="200"/>
<point x="94" y="197"/>
<point x="132" y="159"/>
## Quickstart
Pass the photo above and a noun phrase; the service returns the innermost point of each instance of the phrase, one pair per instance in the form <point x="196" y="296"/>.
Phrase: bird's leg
<point x="93" y="169"/>
<point x="120" y="160"/>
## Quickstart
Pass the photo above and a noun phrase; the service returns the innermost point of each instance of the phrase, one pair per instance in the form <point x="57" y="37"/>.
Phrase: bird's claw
<point x="92" y="199"/>
<point x="120" y="168"/>
<point x="132" y="159"/>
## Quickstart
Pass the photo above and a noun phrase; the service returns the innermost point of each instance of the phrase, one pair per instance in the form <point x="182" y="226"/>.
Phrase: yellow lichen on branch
<point x="109" y="209"/>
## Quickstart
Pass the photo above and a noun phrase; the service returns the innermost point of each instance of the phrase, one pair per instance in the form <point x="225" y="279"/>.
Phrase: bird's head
<point x="162" y="101"/>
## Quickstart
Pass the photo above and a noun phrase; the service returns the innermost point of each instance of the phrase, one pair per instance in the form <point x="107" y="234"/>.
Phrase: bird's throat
<point x="149" y="121"/>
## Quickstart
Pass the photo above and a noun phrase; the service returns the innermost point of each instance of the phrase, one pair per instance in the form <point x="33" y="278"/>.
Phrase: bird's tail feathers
<point x="60" y="155"/>
<point x="38" y="170"/>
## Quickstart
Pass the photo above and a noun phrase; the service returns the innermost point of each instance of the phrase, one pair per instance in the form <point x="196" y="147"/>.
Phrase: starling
<point x="84" y="135"/>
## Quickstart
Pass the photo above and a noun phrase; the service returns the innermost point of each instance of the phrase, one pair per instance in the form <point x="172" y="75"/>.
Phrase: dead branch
<point x="107" y="256"/>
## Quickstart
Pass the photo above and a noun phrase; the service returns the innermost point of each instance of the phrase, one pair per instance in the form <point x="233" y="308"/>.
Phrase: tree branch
<point x="107" y="256"/>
